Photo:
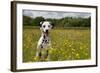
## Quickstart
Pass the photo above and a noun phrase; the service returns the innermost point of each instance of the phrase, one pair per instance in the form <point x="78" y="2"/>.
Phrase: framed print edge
<point x="14" y="36"/>
<point x="96" y="35"/>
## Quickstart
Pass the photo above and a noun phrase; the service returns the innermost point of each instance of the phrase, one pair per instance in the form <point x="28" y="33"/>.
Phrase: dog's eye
<point x="48" y="25"/>
<point x="43" y="26"/>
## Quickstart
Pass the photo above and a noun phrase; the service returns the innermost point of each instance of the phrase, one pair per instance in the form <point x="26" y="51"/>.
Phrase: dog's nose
<point x="46" y="30"/>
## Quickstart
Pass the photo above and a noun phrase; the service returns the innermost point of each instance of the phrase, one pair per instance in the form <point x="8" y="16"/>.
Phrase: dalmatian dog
<point x="44" y="43"/>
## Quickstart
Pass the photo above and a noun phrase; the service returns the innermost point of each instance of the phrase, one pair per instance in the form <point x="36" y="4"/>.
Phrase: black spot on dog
<point x="45" y="41"/>
<point x="40" y="54"/>
<point x="44" y="36"/>
<point x="41" y="46"/>
<point x="46" y="55"/>
<point x="47" y="52"/>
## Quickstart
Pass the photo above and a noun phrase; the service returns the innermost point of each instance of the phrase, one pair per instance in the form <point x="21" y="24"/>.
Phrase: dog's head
<point x="45" y="26"/>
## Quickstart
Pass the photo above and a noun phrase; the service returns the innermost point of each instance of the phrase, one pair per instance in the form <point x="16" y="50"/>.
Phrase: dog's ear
<point x="52" y="25"/>
<point x="40" y="24"/>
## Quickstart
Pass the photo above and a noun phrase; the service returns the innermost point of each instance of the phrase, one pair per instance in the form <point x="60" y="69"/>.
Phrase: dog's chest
<point x="45" y="42"/>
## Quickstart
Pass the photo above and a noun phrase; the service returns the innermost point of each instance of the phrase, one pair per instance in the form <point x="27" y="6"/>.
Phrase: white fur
<point x="46" y="24"/>
<point x="44" y="42"/>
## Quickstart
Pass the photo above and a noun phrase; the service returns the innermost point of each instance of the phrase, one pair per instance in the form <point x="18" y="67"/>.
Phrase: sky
<point x="54" y="14"/>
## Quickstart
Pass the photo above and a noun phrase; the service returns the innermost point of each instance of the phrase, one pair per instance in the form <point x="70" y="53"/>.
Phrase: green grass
<point x="67" y="44"/>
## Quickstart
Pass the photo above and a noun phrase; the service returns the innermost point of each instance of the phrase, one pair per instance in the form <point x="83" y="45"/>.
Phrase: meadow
<point x="67" y="44"/>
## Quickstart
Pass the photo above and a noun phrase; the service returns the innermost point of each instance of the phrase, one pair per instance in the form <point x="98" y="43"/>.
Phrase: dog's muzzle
<point x="46" y="32"/>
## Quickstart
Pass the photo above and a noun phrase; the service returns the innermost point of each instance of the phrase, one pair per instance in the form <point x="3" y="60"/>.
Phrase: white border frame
<point x="37" y="65"/>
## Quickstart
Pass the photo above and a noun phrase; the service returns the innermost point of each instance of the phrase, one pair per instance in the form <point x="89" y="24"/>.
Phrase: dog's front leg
<point x="38" y="54"/>
<point x="47" y="54"/>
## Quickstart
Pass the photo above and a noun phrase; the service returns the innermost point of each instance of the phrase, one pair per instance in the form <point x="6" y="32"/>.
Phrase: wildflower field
<point x="67" y="44"/>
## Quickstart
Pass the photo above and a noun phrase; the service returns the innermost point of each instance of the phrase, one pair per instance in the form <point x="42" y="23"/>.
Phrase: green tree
<point x="27" y="21"/>
<point x="37" y="20"/>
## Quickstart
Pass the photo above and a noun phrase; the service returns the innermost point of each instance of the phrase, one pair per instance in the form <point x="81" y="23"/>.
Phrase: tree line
<point x="63" y="22"/>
